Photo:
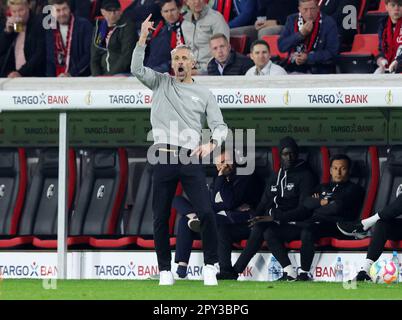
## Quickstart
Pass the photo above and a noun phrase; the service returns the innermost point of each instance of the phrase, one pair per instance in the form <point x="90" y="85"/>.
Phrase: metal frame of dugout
<point x="373" y="121"/>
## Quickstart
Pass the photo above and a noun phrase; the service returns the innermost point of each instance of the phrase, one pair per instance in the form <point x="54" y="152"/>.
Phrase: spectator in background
<point x="226" y="61"/>
<point x="113" y="42"/>
<point x="68" y="47"/>
<point x="260" y="53"/>
<point x="334" y="8"/>
<point x="271" y="17"/>
<point x="2" y="14"/>
<point x="166" y="36"/>
<point x="311" y="39"/>
<point x="139" y="10"/>
<point x="22" y="43"/>
<point x="390" y="39"/>
<point x="37" y="6"/>
<point x="244" y="13"/>
<point x="85" y="9"/>
<point x="200" y="24"/>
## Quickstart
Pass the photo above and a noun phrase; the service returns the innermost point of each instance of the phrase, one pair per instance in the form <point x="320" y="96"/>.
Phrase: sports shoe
<point x="286" y="277"/>
<point x="352" y="229"/>
<point x="363" y="276"/>
<point x="209" y="272"/>
<point x="166" y="278"/>
<point x="194" y="224"/>
<point x="304" y="276"/>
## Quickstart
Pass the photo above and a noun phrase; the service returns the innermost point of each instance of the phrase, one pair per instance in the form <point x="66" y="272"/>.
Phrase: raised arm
<point x="146" y="75"/>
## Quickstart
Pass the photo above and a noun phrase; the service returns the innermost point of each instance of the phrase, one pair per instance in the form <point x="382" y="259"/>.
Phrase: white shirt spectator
<point x="270" y="69"/>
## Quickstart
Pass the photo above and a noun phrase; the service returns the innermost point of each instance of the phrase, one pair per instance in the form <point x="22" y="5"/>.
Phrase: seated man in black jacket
<point x="233" y="197"/>
<point x="282" y="202"/>
<point x="226" y="61"/>
<point x="22" y="43"/>
<point x="339" y="200"/>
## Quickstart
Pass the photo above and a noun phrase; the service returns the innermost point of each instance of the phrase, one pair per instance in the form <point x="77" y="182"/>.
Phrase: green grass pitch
<point x="188" y="290"/>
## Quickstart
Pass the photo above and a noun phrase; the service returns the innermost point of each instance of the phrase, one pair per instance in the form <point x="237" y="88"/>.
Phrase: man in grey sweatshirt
<point x="179" y="109"/>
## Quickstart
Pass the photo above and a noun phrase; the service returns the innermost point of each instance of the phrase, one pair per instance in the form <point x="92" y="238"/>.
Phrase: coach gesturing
<point x="179" y="109"/>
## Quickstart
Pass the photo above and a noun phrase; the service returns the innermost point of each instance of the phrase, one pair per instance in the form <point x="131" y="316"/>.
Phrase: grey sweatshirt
<point x="178" y="110"/>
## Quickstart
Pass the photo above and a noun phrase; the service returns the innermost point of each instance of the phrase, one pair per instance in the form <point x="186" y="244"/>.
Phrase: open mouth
<point x="180" y="69"/>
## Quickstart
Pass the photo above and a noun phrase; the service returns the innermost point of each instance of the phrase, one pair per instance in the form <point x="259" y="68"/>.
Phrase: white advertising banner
<point x="226" y="98"/>
<point x="36" y="265"/>
<point x="137" y="265"/>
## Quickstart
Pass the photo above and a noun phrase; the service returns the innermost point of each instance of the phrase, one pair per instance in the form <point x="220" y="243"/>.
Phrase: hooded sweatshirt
<point x="285" y="193"/>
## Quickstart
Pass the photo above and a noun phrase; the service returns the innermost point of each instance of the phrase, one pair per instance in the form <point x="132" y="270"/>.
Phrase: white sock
<point x="369" y="222"/>
<point x="303" y="271"/>
<point x="367" y="265"/>
<point x="290" y="271"/>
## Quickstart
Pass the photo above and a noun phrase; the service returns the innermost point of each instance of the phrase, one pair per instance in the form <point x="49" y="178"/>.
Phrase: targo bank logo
<point x="138" y="98"/>
<point x="32" y="270"/>
<point x="41" y="99"/>
<point x="242" y="99"/>
<point x="338" y="98"/>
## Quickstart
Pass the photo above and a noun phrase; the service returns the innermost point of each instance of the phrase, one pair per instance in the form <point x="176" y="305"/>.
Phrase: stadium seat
<point x="239" y="43"/>
<point x="102" y="193"/>
<point x="224" y="7"/>
<point x="125" y="3"/>
<point x="365" y="171"/>
<point x="99" y="202"/>
<point x="141" y="218"/>
<point x="13" y="185"/>
<point x="372" y="18"/>
<point x="362" y="57"/>
<point x="40" y="211"/>
<point x="276" y="54"/>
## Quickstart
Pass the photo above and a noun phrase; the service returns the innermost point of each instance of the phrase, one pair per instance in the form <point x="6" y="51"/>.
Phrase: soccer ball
<point x="383" y="271"/>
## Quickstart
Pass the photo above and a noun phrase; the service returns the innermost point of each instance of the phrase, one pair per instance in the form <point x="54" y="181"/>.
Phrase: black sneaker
<point x="363" y="276"/>
<point x="285" y="277"/>
<point x="226" y="275"/>
<point x="304" y="276"/>
<point x="352" y="229"/>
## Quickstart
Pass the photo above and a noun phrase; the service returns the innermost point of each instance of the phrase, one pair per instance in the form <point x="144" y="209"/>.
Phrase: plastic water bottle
<point x="339" y="270"/>
<point x="396" y="261"/>
<point x="274" y="270"/>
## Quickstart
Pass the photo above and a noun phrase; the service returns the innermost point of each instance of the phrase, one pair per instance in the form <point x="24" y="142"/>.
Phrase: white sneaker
<point x="209" y="272"/>
<point x="166" y="278"/>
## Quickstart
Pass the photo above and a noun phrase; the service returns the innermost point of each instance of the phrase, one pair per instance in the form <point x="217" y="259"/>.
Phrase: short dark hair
<point x="163" y="2"/>
<point x="218" y="36"/>
<point x="341" y="157"/>
<point x="256" y="42"/>
<point x="58" y="2"/>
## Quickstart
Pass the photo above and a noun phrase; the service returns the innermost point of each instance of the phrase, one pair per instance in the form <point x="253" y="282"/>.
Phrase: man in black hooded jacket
<point x="282" y="201"/>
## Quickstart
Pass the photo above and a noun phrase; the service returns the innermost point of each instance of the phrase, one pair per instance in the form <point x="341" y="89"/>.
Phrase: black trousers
<point x="387" y="228"/>
<point x="185" y="236"/>
<point x="393" y="210"/>
<point x="276" y="235"/>
<point x="383" y="230"/>
<point x="227" y="235"/>
<point x="165" y="179"/>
